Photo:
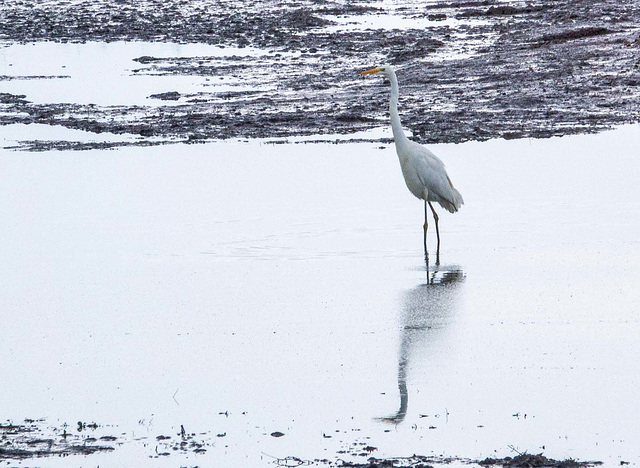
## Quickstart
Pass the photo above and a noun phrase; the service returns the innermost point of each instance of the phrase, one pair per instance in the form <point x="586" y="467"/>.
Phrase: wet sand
<point x="241" y="290"/>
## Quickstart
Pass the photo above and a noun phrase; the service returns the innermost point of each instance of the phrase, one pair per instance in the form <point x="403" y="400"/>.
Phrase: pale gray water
<point x="146" y="288"/>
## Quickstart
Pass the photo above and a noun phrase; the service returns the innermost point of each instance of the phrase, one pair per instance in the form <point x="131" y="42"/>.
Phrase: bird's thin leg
<point x="426" y="224"/>
<point x="435" y="216"/>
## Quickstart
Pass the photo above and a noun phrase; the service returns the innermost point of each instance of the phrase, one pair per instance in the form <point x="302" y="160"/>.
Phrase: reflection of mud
<point x="547" y="68"/>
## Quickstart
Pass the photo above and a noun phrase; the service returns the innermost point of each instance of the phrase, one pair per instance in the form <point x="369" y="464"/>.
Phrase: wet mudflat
<point x="468" y="70"/>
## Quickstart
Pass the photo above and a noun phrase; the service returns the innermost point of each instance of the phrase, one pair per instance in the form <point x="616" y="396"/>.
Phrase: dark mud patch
<point x="418" y="461"/>
<point x="573" y="34"/>
<point x="168" y="96"/>
<point x="13" y="99"/>
<point x="507" y="70"/>
<point x="356" y="451"/>
<point x="530" y="461"/>
<point x="36" y="439"/>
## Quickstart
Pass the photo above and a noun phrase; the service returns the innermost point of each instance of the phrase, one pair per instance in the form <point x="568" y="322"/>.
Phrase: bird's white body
<point x="426" y="177"/>
<point x="424" y="173"/>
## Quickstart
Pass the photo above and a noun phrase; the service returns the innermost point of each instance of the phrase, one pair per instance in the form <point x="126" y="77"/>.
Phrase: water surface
<point x="242" y="289"/>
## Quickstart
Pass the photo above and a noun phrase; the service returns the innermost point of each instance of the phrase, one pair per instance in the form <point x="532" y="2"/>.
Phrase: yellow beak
<point x="373" y="70"/>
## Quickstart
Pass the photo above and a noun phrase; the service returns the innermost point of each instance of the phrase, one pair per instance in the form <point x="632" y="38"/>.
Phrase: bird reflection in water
<point x="427" y="309"/>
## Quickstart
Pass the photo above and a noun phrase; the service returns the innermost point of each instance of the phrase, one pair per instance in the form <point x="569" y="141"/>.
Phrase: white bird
<point x="424" y="173"/>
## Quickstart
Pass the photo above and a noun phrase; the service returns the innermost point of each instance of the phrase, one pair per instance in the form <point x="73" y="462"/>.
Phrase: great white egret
<point x="424" y="173"/>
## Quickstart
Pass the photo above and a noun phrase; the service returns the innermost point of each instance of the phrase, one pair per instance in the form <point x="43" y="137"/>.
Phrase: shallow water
<point x="105" y="74"/>
<point x="284" y="287"/>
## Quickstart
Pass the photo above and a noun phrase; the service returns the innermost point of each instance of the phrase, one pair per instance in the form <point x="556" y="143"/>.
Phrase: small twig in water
<point x="516" y="450"/>
<point x="288" y="461"/>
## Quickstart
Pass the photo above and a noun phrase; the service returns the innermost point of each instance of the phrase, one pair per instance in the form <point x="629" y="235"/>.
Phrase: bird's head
<point x="387" y="70"/>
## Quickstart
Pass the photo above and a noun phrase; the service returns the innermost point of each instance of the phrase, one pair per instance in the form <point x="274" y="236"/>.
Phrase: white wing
<point x="432" y="174"/>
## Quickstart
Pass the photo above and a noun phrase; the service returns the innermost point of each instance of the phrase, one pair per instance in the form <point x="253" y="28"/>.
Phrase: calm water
<point x="283" y="286"/>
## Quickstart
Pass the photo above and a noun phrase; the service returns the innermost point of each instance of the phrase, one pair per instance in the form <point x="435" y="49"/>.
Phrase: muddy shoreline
<point x="476" y="71"/>
<point x="38" y="439"/>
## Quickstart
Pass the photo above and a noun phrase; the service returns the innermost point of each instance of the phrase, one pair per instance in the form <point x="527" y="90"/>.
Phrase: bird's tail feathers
<point x="453" y="205"/>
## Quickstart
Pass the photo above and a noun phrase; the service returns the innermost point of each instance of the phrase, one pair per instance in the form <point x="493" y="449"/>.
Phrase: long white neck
<point x="396" y="126"/>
